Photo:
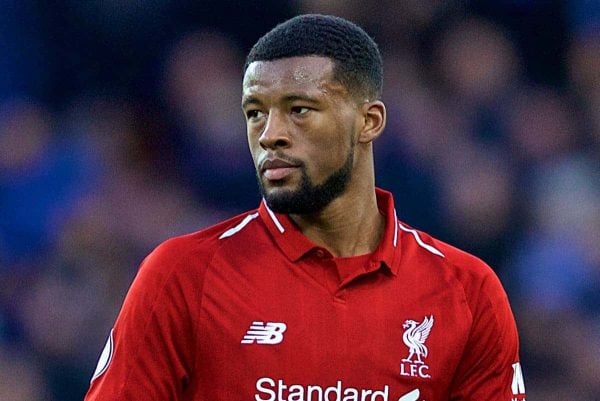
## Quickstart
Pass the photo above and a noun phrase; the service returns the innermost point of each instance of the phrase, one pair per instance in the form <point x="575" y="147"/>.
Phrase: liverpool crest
<point x="415" y="335"/>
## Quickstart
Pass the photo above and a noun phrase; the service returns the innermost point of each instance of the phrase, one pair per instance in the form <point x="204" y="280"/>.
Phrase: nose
<point x="275" y="133"/>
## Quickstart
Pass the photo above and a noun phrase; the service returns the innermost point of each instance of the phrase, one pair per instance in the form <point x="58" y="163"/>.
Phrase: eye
<point x="300" y="110"/>
<point x="253" y="114"/>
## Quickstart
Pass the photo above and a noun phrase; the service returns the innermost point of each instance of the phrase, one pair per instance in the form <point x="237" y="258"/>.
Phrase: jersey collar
<point x="295" y="245"/>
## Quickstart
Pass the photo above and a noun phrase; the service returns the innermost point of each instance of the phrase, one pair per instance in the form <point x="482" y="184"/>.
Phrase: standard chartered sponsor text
<point x="277" y="390"/>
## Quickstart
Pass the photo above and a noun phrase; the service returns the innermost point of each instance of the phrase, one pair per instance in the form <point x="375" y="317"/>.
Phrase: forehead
<point x="308" y="73"/>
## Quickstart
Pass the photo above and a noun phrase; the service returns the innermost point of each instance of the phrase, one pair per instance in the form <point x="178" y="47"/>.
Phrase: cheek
<point x="253" y="146"/>
<point x="328" y="155"/>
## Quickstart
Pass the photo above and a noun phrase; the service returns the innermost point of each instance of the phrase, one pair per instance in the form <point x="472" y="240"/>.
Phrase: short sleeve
<point x="149" y="353"/>
<point x="490" y="368"/>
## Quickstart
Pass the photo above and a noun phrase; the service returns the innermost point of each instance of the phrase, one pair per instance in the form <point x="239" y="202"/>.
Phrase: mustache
<point x="280" y="157"/>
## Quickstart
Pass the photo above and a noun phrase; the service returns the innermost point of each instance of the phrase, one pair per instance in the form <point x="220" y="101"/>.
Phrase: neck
<point x="351" y="225"/>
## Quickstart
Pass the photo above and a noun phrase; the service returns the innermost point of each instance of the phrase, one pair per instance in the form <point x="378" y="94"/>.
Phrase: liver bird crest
<point x="414" y="337"/>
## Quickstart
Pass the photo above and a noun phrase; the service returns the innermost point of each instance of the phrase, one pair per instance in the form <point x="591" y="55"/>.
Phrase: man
<point x="321" y="293"/>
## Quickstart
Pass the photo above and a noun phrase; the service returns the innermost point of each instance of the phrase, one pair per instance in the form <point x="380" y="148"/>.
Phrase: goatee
<point x="310" y="198"/>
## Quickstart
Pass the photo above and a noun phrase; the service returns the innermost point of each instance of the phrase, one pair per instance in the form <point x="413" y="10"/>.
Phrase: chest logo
<point x="414" y="337"/>
<point x="264" y="333"/>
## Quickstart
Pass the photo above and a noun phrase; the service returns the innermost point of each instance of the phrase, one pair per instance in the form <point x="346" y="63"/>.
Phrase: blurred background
<point x="120" y="126"/>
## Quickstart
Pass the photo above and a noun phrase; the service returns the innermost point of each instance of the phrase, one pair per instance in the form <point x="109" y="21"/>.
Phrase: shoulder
<point x="460" y="268"/>
<point x="468" y="278"/>
<point x="476" y="277"/>
<point x="462" y="263"/>
<point x="483" y="291"/>
<point x="195" y="250"/>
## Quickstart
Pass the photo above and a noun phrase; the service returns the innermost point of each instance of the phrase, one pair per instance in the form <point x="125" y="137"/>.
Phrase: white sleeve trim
<point x="105" y="357"/>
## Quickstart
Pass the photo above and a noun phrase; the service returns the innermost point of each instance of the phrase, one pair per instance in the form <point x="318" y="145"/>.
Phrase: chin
<point x="281" y="200"/>
<point x="304" y="197"/>
<point x="277" y="188"/>
<point x="278" y="194"/>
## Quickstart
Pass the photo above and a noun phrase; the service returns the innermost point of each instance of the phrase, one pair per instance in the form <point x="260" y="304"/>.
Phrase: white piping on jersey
<point x="274" y="218"/>
<point x="282" y="230"/>
<point x="395" y="228"/>
<point x="241" y="225"/>
<point x="420" y="241"/>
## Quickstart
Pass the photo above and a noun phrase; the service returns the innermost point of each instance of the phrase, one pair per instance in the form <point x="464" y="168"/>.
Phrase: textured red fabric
<point x="328" y="329"/>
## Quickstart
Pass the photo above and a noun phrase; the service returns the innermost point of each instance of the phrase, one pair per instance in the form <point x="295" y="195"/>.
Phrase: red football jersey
<point x="250" y="309"/>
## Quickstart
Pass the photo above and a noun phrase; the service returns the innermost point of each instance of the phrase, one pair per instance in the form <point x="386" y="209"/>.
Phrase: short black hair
<point x="356" y="57"/>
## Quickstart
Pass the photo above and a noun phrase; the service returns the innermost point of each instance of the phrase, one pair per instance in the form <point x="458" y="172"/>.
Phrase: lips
<point x="276" y="169"/>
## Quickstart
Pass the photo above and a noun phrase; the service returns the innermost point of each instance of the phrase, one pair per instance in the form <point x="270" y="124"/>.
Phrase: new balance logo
<point x="261" y="333"/>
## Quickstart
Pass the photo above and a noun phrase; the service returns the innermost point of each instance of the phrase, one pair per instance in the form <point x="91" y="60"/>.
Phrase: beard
<point x="310" y="198"/>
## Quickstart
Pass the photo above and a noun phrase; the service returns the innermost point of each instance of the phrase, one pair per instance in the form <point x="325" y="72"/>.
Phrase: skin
<point x="308" y="125"/>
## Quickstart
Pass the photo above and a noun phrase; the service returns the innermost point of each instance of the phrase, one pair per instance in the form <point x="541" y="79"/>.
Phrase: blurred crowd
<point x="120" y="126"/>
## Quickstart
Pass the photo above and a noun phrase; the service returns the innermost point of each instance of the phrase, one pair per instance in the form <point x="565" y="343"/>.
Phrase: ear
<point x="374" y="115"/>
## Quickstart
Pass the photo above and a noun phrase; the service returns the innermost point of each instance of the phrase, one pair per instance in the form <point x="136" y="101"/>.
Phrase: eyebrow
<point x="249" y="100"/>
<point x="292" y="97"/>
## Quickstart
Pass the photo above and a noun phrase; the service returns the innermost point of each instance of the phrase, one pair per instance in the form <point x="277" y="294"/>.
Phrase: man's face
<point x="301" y="132"/>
